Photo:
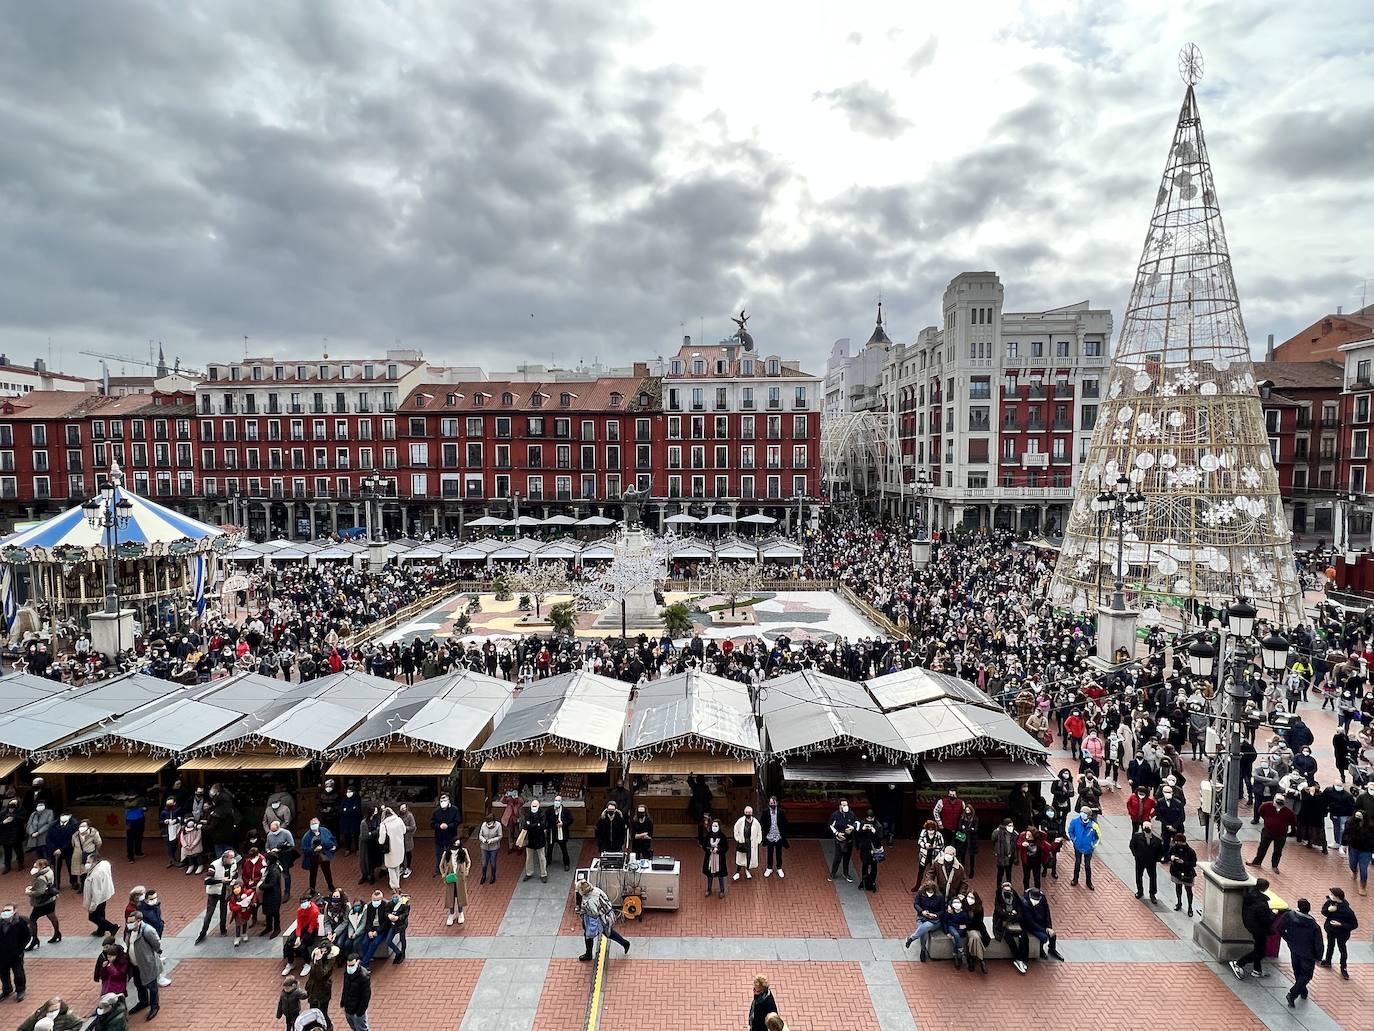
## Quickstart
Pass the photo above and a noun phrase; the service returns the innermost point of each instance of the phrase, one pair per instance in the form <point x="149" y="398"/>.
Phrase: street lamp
<point x="922" y="489"/>
<point x="374" y="484"/>
<point x="802" y="499"/>
<point x="1349" y="500"/>
<point x="1116" y="504"/>
<point x="110" y="512"/>
<point x="234" y="495"/>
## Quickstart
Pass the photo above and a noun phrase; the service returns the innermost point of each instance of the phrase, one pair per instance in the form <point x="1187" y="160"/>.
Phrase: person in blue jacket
<point x="317" y="853"/>
<point x="1084" y="835"/>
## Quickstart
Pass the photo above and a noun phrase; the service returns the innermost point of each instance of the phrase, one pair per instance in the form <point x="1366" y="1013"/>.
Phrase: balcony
<point x="1061" y="426"/>
<point x="1331" y="423"/>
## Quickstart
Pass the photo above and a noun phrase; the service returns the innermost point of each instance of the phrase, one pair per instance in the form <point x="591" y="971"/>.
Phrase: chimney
<point x="686" y="340"/>
<point x="1339" y="309"/>
<point x="39" y="365"/>
<point x="1269" y="349"/>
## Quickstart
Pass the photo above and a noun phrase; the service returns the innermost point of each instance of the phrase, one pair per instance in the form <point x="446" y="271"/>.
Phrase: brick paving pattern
<point x="1349" y="1003"/>
<point x="706" y="994"/>
<point x="1105" y="997"/>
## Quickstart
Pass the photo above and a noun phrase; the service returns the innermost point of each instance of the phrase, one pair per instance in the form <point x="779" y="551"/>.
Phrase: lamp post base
<point x="920" y="553"/>
<point x="376" y="556"/>
<point x="112" y="632"/>
<point x="1221" y="932"/>
<point x="1115" y="631"/>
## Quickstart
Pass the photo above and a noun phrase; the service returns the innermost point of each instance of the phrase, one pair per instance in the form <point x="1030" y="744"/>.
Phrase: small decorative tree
<point x="563" y="616"/>
<point x="677" y="619"/>
<point x="539" y="580"/>
<point x="620" y="579"/>
<point x="734" y="580"/>
<point x="502" y="587"/>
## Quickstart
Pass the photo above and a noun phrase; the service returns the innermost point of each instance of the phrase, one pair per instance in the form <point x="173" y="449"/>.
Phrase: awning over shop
<point x="693" y="707"/>
<point x="984" y="771"/>
<point x="10" y="763"/>
<point x="916" y="686"/>
<point x="846" y="773"/>
<point x="41" y="723"/>
<point x="585" y="710"/>
<point x="245" y="761"/>
<point x="548" y="762"/>
<point x="450" y="712"/>
<point x="811" y="711"/>
<point x="391" y="764"/>
<point x="107" y="763"/>
<point x="681" y="765"/>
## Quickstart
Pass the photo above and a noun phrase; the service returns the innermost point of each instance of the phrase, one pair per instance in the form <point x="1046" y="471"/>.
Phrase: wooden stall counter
<point x="664" y="791"/>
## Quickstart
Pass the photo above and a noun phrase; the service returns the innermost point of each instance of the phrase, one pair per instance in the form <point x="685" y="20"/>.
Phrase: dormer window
<point x="698" y="366"/>
<point x="421" y="400"/>
<point x="507" y="399"/>
<point x="748" y="366"/>
<point x="774" y="366"/>
<point x="643" y="400"/>
<point x="452" y="400"/>
<point x="536" y="400"/>
<point x="479" y="399"/>
<point x="721" y="366"/>
<point x="615" y="399"/>
<point x="677" y="367"/>
<point x="565" y="399"/>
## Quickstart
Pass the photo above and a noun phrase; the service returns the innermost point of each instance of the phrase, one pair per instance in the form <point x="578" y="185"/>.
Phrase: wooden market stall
<point x="105" y="782"/>
<point x="409" y="748"/>
<point x="692" y="724"/>
<point x="943" y="718"/>
<point x="18" y="690"/>
<point x="827" y="740"/>
<point x="275" y="746"/>
<point x="560" y="737"/>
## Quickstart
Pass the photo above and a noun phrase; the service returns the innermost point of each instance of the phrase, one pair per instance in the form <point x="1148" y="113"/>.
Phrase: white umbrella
<point x="682" y="517"/>
<point x="719" y="518"/>
<point x="523" y="521"/>
<point x="596" y="521"/>
<point x="559" y="520"/>
<point x="487" y="521"/>
<point x="759" y="518"/>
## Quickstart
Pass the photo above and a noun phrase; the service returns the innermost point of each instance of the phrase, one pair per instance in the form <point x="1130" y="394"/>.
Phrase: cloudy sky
<point x="495" y="183"/>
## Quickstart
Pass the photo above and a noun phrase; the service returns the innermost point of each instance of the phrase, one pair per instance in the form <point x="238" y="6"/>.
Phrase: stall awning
<point x="552" y="762"/>
<point x="715" y="765"/>
<point x="992" y="770"/>
<point x="246" y="761"/>
<point x="102" y="764"/>
<point x="391" y="764"/>
<point x="839" y="773"/>
<point x="10" y="763"/>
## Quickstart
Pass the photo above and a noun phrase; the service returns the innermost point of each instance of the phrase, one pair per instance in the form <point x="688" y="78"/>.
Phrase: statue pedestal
<point x="376" y="556"/>
<point x="1115" y="630"/>
<point x="1221" y="932"/>
<point x="641" y="608"/>
<point x="743" y="616"/>
<point x="920" y="554"/>
<point x="112" y="632"/>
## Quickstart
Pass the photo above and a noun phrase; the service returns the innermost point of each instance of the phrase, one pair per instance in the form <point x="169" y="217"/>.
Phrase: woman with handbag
<point x="598" y="915"/>
<point x="868" y="838"/>
<point x="454" y="867"/>
<point x="1183" y="870"/>
<point x="42" y="892"/>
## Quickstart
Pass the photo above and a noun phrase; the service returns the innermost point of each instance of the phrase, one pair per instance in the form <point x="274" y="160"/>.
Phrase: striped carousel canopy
<point x="151" y="529"/>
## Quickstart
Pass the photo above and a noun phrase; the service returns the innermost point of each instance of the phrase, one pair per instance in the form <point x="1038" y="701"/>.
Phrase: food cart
<point x="560" y="737"/>
<point x="828" y="740"/>
<point x="408" y="749"/>
<point x="692" y="724"/>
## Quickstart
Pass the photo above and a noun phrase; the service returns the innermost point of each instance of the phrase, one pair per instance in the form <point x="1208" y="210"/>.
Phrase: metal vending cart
<point x="635" y="885"/>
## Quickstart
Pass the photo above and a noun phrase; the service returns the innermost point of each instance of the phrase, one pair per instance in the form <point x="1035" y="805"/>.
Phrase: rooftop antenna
<point x="245" y="346"/>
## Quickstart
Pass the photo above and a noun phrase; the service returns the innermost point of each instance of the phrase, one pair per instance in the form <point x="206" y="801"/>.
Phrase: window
<point x="1092" y="348"/>
<point x="1362" y="371"/>
<point x="798" y="427"/>
<point x="1013" y="349"/>
<point x="1357" y="480"/>
<point x="419" y="454"/>
<point x="978" y="451"/>
<point x="1009" y="449"/>
<point x="1089" y="417"/>
<point x="721" y="394"/>
<point x="978" y="421"/>
<point x="747" y="367"/>
<point x="40" y="436"/>
<point x="799" y="397"/>
<point x="1061" y="348"/>
<point x="775" y="397"/>
<point x="977" y="481"/>
<point x="1359" y="444"/>
<point x="1271" y="420"/>
<point x="746" y="398"/>
<point x="565" y="399"/>
<point x="698" y="367"/>
<point x="698" y="399"/>
<point x="1362" y="408"/>
<point x="474" y="426"/>
<point x="774" y="367"/>
<point x="617" y="399"/>
<point x="980" y="388"/>
<point x="1037" y="349"/>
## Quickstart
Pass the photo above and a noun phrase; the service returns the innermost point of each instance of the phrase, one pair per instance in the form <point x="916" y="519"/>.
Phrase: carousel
<point x="118" y="551"/>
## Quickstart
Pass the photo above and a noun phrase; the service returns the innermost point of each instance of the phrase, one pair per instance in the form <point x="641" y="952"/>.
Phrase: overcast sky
<point x="494" y="183"/>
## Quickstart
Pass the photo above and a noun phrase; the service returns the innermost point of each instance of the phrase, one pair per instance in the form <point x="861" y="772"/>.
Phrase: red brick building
<point x="1323" y="340"/>
<point x="1303" y="412"/>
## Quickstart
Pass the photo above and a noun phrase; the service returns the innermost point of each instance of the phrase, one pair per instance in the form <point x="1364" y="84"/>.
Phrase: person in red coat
<point x="1278" y="819"/>
<point x="1140" y="807"/>
<point x="1076" y="728"/>
<point x="948" y="812"/>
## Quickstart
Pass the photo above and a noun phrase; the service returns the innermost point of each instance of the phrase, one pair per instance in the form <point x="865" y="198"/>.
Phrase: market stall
<point x="408" y="749"/>
<point x="810" y="717"/>
<point x="561" y="736"/>
<point x="692" y="724"/>
<point x="272" y="747"/>
<point x="943" y="718"/>
<point x="16" y="691"/>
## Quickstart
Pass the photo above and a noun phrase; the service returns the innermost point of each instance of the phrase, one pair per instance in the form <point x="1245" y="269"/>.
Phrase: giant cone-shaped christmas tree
<point x="1181" y="419"/>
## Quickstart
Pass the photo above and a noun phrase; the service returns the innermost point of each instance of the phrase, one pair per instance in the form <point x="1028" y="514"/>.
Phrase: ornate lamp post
<point x="376" y="543"/>
<point x="920" y="547"/>
<point x="110" y="511"/>
<point x="1115" y="505"/>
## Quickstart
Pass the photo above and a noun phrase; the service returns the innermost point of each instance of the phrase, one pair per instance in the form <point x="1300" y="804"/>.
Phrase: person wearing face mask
<point x="42" y="892"/>
<point x="1035" y="912"/>
<point x="40" y="821"/>
<point x="842" y="826"/>
<point x="598" y="918"/>
<point x="86" y="844"/>
<point x="15" y="935"/>
<point x="715" y="847"/>
<point x="1277" y="820"/>
<point x="276" y="811"/>
<point x="350" y="820"/>
<point x="1311" y="818"/>
<point x="489" y="838"/>
<point x="1339" y="922"/>
<point x="110" y="1013"/>
<point x="868" y="839"/>
<point x="319" y="978"/>
<point x="612" y="832"/>
<point x="560" y="819"/>
<point x="454" y="867"/>
<point x="930" y="907"/>
<point x="1140" y="807"/>
<point x="774" y="837"/>
<point x="375" y="927"/>
<point x="169" y="824"/>
<point x="397" y="912"/>
<point x="357" y="993"/>
<point x="1340" y="806"/>
<point x="317" y="853"/>
<point x="642" y="833"/>
<point x="444" y="823"/>
<point x="97" y="891"/>
<point x="533" y="837"/>
<point x="1008" y="926"/>
<point x="1148" y="850"/>
<point x="219" y="877"/>
<point x="1085" y="836"/>
<point x="407" y="819"/>
<point x="144" y="947"/>
<point x="53" y="1015"/>
<point x="747" y="836"/>
<point x="60" y="837"/>
<point x="298" y="943"/>
<point x="1172" y="813"/>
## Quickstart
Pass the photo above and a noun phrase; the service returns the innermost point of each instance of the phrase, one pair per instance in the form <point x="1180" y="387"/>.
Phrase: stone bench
<point x="942" y="947"/>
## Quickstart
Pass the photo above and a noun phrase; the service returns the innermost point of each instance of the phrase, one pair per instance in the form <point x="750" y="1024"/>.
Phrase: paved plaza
<point x="833" y="954"/>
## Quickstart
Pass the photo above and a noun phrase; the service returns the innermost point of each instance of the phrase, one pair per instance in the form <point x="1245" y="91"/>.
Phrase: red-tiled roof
<point x="584" y="395"/>
<point x="1301" y="375"/>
